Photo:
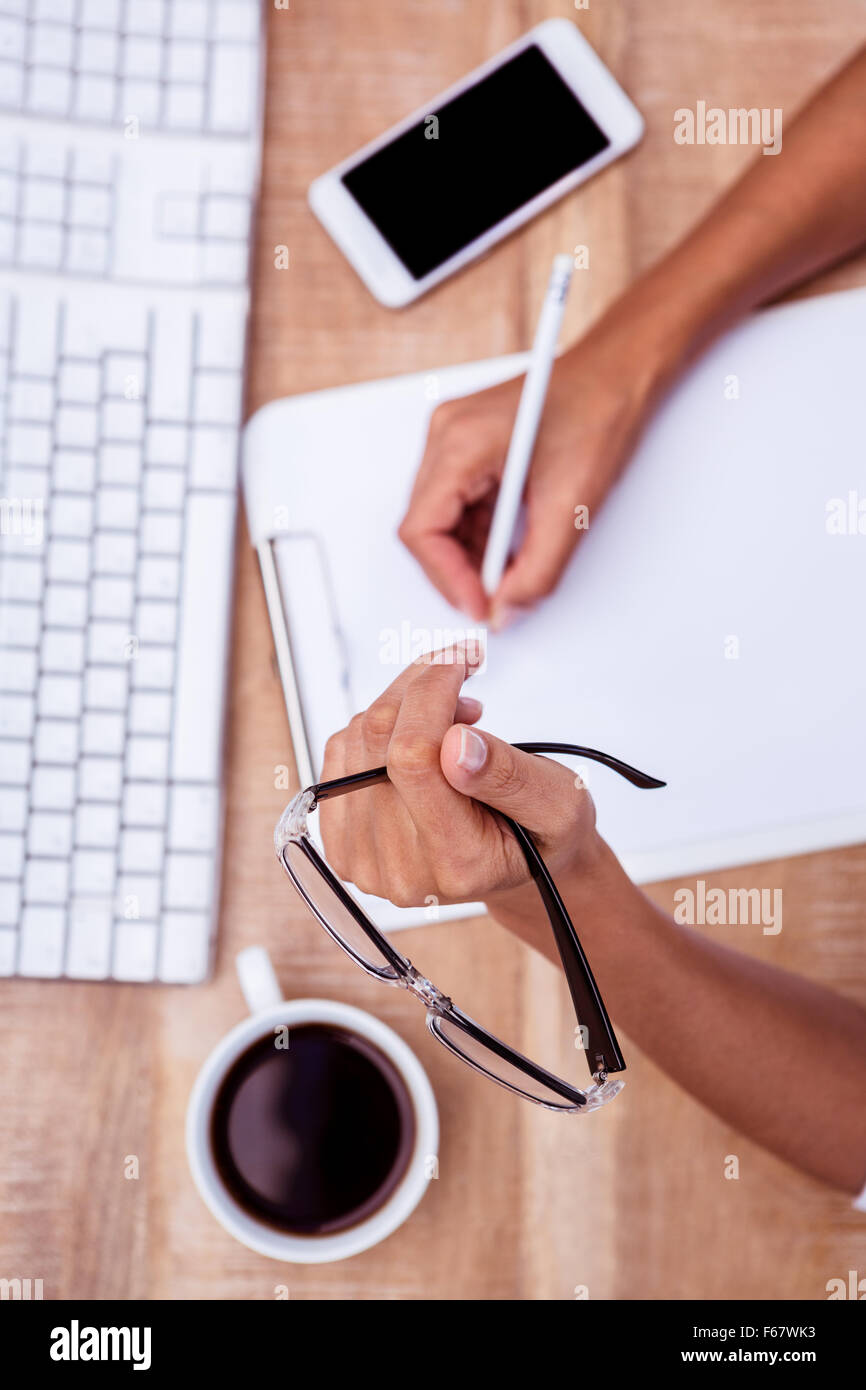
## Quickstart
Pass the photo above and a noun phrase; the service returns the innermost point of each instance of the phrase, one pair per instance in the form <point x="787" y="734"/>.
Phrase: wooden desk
<point x="632" y="1203"/>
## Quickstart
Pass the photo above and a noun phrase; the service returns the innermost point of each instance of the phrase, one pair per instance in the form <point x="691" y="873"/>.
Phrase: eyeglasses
<point x="349" y="925"/>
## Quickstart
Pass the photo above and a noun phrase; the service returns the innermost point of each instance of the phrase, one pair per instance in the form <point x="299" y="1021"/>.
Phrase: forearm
<point x="790" y="215"/>
<point x="780" y="1058"/>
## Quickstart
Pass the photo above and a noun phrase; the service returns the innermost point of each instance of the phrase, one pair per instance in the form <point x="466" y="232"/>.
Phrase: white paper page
<point x="718" y="531"/>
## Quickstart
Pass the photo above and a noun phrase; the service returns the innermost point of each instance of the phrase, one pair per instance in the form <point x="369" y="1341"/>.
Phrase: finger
<point x="426" y="713"/>
<point x="535" y="571"/>
<point x="436" y="509"/>
<point x="536" y="791"/>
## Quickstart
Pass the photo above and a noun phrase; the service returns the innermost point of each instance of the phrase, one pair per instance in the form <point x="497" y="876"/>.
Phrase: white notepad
<point x="709" y="630"/>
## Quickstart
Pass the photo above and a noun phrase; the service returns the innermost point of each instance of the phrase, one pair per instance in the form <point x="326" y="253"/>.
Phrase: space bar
<point x="203" y="640"/>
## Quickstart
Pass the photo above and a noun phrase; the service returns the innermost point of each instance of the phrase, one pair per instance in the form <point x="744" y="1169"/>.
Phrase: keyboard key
<point x="232" y="93"/>
<point x="125" y="377"/>
<point x="63" y="651"/>
<point x="138" y="896"/>
<point x="153" y="669"/>
<point x="11" y="854"/>
<point x="147" y="758"/>
<point x="141" y="851"/>
<point x="117" y="508"/>
<point x="41" y="944"/>
<point x="156" y="621"/>
<point x="89" y="207"/>
<point x="111" y="598"/>
<point x="164" y="488"/>
<point x="59" y="697"/>
<point x="171" y="364"/>
<point x="13" y="808"/>
<point x="43" y="200"/>
<point x="201" y="664"/>
<point x="236" y="19"/>
<point x="97" y="52"/>
<point x="161" y="534"/>
<point x="74" y="470"/>
<point x="194" y="818"/>
<point x="189" y="880"/>
<point x="96" y="99"/>
<point x="214" y="459"/>
<point x="10" y="903"/>
<point x="105" y="688"/>
<point x="16" y="716"/>
<point x="79" y="383"/>
<point x="49" y="833"/>
<point x="188" y="18"/>
<point x="184" y="108"/>
<point x="108" y="643"/>
<point x="184" y="947"/>
<point x="102" y="732"/>
<point x="100" y="779"/>
<point x="167" y="445"/>
<point x="141" y="98"/>
<point x="87" y="252"/>
<point x="65" y="605"/>
<point x="144" y="804"/>
<point x="187" y="61"/>
<point x="227" y="216"/>
<point x="14" y="762"/>
<point x="31" y="401"/>
<point x="158" y="578"/>
<point x="8" y="952"/>
<point x="135" y="948"/>
<point x="46" y="881"/>
<point x="20" y="578"/>
<point x="114" y="552"/>
<point x="149" y="713"/>
<point x="122" y="420"/>
<point x="28" y="445"/>
<point x="142" y="57"/>
<point x="88" y="952"/>
<point x="71" y="516"/>
<point x="56" y="741"/>
<point x="68" y="560"/>
<point x="18" y="672"/>
<point x="217" y="398"/>
<point x="93" y="872"/>
<point x="77" y="426"/>
<point x="120" y="463"/>
<point x="97" y="825"/>
<point x="146" y="17"/>
<point x="53" y="789"/>
<point x="19" y="625"/>
<point x="49" y="91"/>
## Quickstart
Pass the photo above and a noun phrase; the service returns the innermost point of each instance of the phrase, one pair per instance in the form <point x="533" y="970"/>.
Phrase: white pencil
<point x="526" y="423"/>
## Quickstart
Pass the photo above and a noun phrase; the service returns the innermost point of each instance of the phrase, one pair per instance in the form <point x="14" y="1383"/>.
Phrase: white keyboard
<point x="123" y="301"/>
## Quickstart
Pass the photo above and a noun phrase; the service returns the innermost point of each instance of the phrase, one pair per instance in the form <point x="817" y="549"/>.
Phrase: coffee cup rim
<point x="282" y="1245"/>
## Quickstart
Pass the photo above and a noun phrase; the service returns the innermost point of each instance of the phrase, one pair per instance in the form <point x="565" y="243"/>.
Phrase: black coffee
<point x="313" y="1137"/>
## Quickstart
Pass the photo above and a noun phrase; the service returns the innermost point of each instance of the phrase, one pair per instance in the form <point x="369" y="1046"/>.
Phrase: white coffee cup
<point x="269" y="1010"/>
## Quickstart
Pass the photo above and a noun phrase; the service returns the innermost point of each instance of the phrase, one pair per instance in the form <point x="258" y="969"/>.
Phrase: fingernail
<point x="473" y="751"/>
<point x="470" y="703"/>
<point x="504" y="616"/>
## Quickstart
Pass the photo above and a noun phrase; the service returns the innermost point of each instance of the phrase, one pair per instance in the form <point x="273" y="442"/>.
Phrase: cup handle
<point x="257" y="979"/>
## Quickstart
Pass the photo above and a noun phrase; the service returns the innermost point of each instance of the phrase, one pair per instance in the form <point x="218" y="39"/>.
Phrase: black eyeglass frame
<point x="603" y="1053"/>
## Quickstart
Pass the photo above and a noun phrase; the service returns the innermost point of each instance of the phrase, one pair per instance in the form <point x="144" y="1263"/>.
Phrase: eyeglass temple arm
<point x="324" y="791"/>
<point x="603" y="1052"/>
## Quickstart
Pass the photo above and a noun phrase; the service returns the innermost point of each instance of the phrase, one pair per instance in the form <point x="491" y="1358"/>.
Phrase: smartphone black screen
<point x="474" y="160"/>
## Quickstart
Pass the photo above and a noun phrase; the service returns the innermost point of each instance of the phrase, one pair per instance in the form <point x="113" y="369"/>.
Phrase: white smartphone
<point x="479" y="160"/>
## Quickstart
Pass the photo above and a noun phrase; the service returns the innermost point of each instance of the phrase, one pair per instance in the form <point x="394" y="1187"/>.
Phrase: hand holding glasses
<point x="351" y="927"/>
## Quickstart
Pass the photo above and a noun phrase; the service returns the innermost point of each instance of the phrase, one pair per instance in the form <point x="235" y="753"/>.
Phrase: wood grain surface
<point x="633" y="1202"/>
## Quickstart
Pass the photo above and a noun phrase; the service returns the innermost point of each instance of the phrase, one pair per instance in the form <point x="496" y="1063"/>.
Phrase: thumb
<point x="535" y="571"/>
<point x="536" y="791"/>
